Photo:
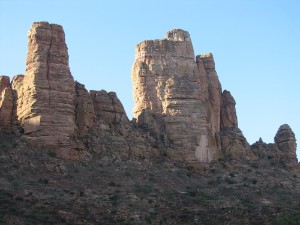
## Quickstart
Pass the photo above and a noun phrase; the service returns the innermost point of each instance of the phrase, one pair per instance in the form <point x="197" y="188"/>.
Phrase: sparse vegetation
<point x="133" y="193"/>
<point x="288" y="220"/>
<point x="52" y="154"/>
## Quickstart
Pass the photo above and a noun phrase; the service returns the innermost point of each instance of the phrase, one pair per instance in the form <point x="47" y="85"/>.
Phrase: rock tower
<point x="45" y="95"/>
<point x="181" y="113"/>
<point x="184" y="92"/>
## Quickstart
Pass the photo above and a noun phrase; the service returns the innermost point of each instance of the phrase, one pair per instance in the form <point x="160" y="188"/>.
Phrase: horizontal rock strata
<point x="181" y="114"/>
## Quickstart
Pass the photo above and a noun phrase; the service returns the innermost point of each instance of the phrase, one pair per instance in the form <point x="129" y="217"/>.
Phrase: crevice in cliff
<point x="48" y="69"/>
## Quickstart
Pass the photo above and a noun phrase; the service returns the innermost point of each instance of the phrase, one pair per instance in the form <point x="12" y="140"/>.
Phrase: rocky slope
<point x="71" y="156"/>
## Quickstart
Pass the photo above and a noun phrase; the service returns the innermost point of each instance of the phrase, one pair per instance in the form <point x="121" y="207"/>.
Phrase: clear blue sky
<point x="256" y="45"/>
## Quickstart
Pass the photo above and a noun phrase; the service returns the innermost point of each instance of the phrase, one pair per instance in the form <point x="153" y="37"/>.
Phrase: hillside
<point x="72" y="156"/>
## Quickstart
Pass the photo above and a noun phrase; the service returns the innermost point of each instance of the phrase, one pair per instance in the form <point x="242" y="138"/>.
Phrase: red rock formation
<point x="180" y="111"/>
<point x="234" y="144"/>
<point x="211" y="90"/>
<point x="45" y="95"/>
<point x="286" y="142"/>
<point x="6" y="103"/>
<point x="166" y="80"/>
<point x="228" y="111"/>
<point x="85" y="112"/>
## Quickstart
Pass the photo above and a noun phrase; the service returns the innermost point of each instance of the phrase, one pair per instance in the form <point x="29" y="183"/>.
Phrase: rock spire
<point x="181" y="113"/>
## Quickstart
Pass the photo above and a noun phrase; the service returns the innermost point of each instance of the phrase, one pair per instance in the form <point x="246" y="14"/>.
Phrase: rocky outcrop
<point x="283" y="150"/>
<point x="85" y="112"/>
<point x="183" y="93"/>
<point x="211" y="90"/>
<point x="6" y="103"/>
<point x="46" y="94"/>
<point x="180" y="111"/>
<point x="234" y="144"/>
<point x="286" y="142"/>
<point x="49" y="109"/>
<point x="228" y="111"/>
<point x="4" y="83"/>
<point x="105" y="131"/>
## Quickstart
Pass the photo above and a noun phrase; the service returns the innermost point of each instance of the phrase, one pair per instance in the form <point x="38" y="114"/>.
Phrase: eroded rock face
<point x="6" y="103"/>
<point x="4" y="83"/>
<point x="166" y="80"/>
<point x="181" y="113"/>
<point x="282" y="151"/>
<point x="211" y="90"/>
<point x="286" y="142"/>
<point x="228" y="111"/>
<point x="234" y="144"/>
<point x="85" y="112"/>
<point x="45" y="95"/>
<point x="109" y="110"/>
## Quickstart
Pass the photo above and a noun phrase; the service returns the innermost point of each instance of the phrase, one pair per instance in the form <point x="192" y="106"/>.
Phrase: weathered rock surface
<point x="85" y="112"/>
<point x="166" y="81"/>
<point x="105" y="131"/>
<point x="211" y="95"/>
<point x="228" y="111"/>
<point x="153" y="168"/>
<point x="180" y="98"/>
<point x="45" y="95"/>
<point x="234" y="144"/>
<point x="6" y="103"/>
<point x="211" y="90"/>
<point x="180" y="111"/>
<point x="51" y="110"/>
<point x="4" y="83"/>
<point x="282" y="151"/>
<point x="286" y="142"/>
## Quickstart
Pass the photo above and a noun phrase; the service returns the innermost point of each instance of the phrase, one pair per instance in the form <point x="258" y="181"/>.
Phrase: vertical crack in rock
<point x="48" y="70"/>
<point x="45" y="108"/>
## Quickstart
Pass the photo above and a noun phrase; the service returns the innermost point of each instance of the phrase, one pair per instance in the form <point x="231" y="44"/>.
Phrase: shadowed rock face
<point x="283" y="150"/>
<point x="6" y="103"/>
<point x="228" y="111"/>
<point x="286" y="142"/>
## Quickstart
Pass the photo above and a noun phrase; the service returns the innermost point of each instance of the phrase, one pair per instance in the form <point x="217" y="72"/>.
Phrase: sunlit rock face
<point x="184" y="94"/>
<point x="45" y="95"/>
<point x="181" y="113"/>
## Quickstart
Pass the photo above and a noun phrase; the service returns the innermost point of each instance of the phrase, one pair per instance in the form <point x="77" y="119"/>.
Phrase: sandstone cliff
<point x="6" y="103"/>
<point x="185" y="94"/>
<point x="181" y="113"/>
<point x="44" y="102"/>
<point x="71" y="156"/>
<point x="166" y="81"/>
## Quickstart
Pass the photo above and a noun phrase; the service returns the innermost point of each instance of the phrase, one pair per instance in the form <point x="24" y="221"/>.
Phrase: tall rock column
<point x="233" y="143"/>
<point x="167" y="82"/>
<point x="228" y="111"/>
<point x="6" y="103"/>
<point x="286" y="141"/>
<point x="45" y="96"/>
<point x="211" y="90"/>
<point x="211" y="95"/>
